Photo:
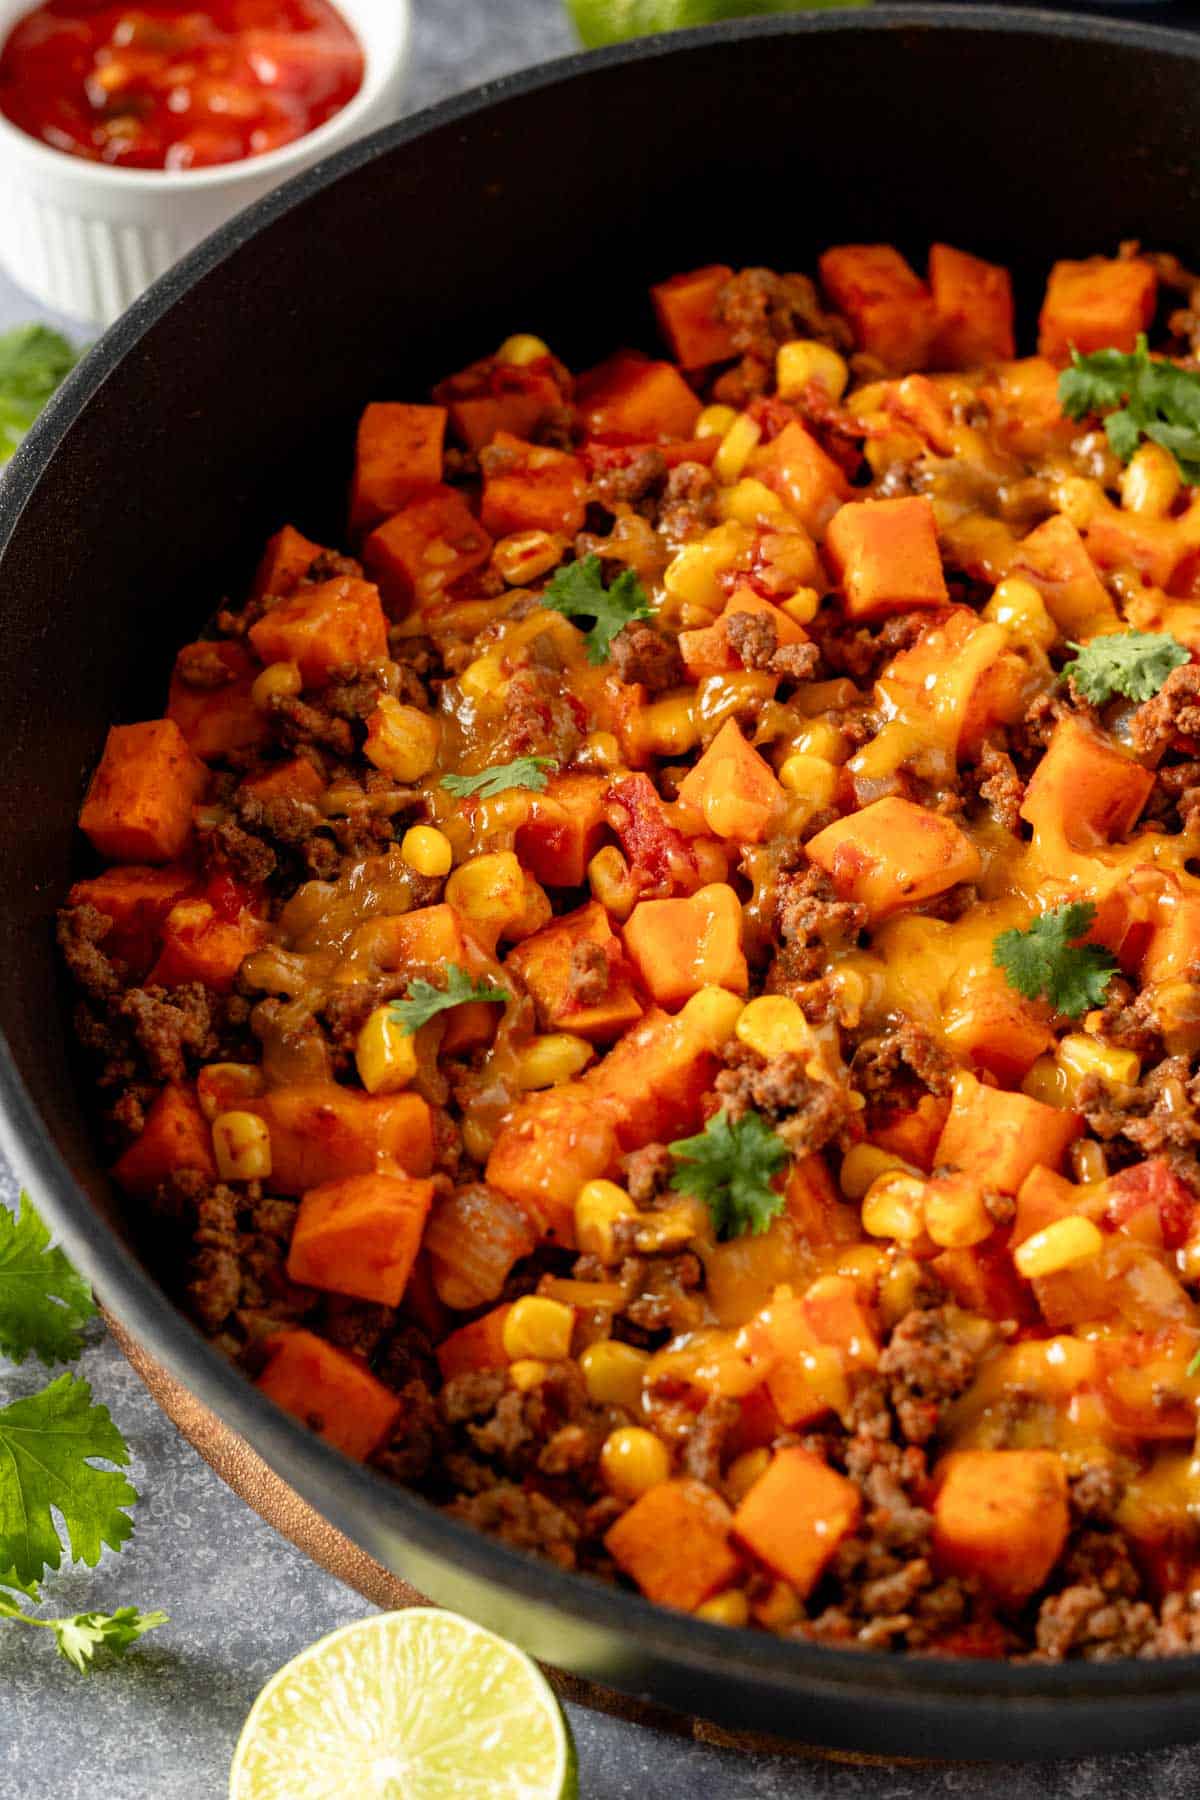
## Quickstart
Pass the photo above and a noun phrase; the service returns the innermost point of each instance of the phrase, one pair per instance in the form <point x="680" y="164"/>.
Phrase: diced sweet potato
<point x="332" y="1392"/>
<point x="912" y="1134"/>
<point x="137" y="901"/>
<point x="286" y="561"/>
<point x="689" y="319"/>
<point x="795" y="467"/>
<point x="322" y="1132"/>
<point x="399" y="452"/>
<point x="564" y="829"/>
<point x="199" y="945"/>
<point x="982" y="1279"/>
<point x="175" y="1136"/>
<point x="1044" y="1197"/>
<point x="631" y="397"/>
<point x="814" y="1205"/>
<point x="796" y="1515"/>
<point x="710" y="650"/>
<point x="993" y="1027"/>
<point x="733" y="788"/>
<point x="885" y="555"/>
<point x="961" y="676"/>
<point x="1174" y="946"/>
<point x="999" y="1136"/>
<point x="1129" y="540"/>
<point x="479" y="1345"/>
<point x="139" y="804"/>
<point x="1055" y="559"/>
<point x="1096" y="305"/>
<point x="674" y="1542"/>
<point x="531" y="487"/>
<point x="324" y="627"/>
<point x="1022" y="401"/>
<point x="893" y="854"/>
<point x="1085" y="789"/>
<point x="420" y="942"/>
<point x="973" y="304"/>
<point x="545" y="963"/>
<point x="549" y="1145"/>
<point x="653" y="1081"/>
<point x="493" y="396"/>
<point x="219" y="718"/>
<point x="359" y="1235"/>
<point x="680" y="946"/>
<point x="805" y="1380"/>
<point x="424" y="549"/>
<point x="1001" y="1518"/>
<point x="295" y="779"/>
<point x="890" y="310"/>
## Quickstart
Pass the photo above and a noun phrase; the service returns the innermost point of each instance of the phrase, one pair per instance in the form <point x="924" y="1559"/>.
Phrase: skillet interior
<point x="224" y="404"/>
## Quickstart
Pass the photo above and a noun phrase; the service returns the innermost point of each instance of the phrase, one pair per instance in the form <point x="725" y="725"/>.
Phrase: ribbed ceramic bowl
<point x="225" y="403"/>
<point x="86" y="239"/>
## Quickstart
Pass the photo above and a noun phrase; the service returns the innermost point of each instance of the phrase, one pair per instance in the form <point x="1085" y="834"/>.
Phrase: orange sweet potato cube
<point x="332" y="1392"/>
<point x="688" y="316"/>
<point x="564" y="828"/>
<point x="360" y="1235"/>
<point x="413" y="942"/>
<point x="999" y="1136"/>
<point x="399" y="453"/>
<point x="1096" y="305"/>
<point x="545" y="961"/>
<point x="424" y="549"/>
<point x="733" y="788"/>
<point x="285" y="562"/>
<point x="479" y="1345"/>
<point x="653" y="1081"/>
<point x="136" y="900"/>
<point x="1044" y="1198"/>
<point x="331" y="625"/>
<point x="1122" y="540"/>
<point x="893" y="854"/>
<point x="296" y="779"/>
<point x="796" y="1515"/>
<point x="1053" y="557"/>
<point x="322" y="1132"/>
<point x="710" y="651"/>
<point x="199" y="945"/>
<point x="674" y="1542"/>
<point x="549" y="1145"/>
<point x="891" y="311"/>
<point x="175" y="1136"/>
<point x="631" y="397"/>
<point x="1085" y="789"/>
<point x="912" y="1134"/>
<point x="1021" y="398"/>
<point x="963" y="675"/>
<point x="493" y="396"/>
<point x="680" y="946"/>
<point x="799" y="471"/>
<point x="1001" y="1518"/>
<point x="531" y="487"/>
<point x="885" y="555"/>
<point x="973" y="305"/>
<point x="993" y="1027"/>
<point x="222" y="717"/>
<point x="1174" y="945"/>
<point x="139" y="804"/>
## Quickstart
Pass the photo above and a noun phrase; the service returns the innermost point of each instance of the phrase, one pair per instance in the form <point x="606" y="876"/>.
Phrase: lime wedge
<point x="612" y="21"/>
<point x="417" y="1705"/>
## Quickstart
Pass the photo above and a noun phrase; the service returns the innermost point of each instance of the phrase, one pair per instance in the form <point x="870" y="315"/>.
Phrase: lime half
<point x="612" y="21"/>
<point x="417" y="1705"/>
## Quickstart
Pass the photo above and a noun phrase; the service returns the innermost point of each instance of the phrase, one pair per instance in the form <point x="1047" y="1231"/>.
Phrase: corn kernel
<point x="242" y="1147"/>
<point x="538" y="1327"/>
<point x="748" y="501"/>
<point x="1150" y="482"/>
<point x="484" y="679"/>
<point x="899" y="1285"/>
<point x="1088" y="1161"/>
<point x="694" y="576"/>
<point x="427" y="850"/>
<point x="521" y="349"/>
<point x="633" y="1460"/>
<point x="1047" y="1082"/>
<point x="779" y="1607"/>
<point x="804" y="360"/>
<point x="1057" y="1246"/>
<point x="863" y="1163"/>
<point x="1080" y="1055"/>
<point x="955" y="1215"/>
<point x="668" y="727"/>
<point x="822" y="739"/>
<point x="613" y="1373"/>
<point x="735" y="448"/>
<point x="401" y="740"/>
<point x="611" y="883"/>
<point x="1079" y="499"/>
<point x="278" y="681"/>
<point x="743" y="1472"/>
<point x="894" y="1207"/>
<point x="774" y="1026"/>
<point x="729" y="1608"/>
<point x="810" y="776"/>
<point x="546" y="1061"/>
<point x="599" y="1206"/>
<point x="384" y="1054"/>
<point x="714" y="1012"/>
<point x="477" y="1138"/>
<point x="715" y="421"/>
<point x="1018" y="605"/>
<point x="523" y="556"/>
<point x="600" y="750"/>
<point x="670" y="1228"/>
<point x="802" y="606"/>
<point x="526" y="1373"/>
<point x="220" y="1083"/>
<point x="489" y="891"/>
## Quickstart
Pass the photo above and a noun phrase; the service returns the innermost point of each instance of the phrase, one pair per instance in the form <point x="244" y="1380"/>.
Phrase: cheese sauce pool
<point x="165" y="86"/>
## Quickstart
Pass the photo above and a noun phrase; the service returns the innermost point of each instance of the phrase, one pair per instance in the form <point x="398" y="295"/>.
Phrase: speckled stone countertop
<point x="162" y="1725"/>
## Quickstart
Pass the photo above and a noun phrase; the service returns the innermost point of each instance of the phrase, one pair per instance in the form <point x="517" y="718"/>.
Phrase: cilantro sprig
<point x="33" y="362"/>
<point x="81" y="1637"/>
<point x="423" y="1001"/>
<point x="530" y="772"/>
<point x="1142" y="396"/>
<point x="43" y="1302"/>
<point x="1047" y="960"/>
<point x="578" y="592"/>
<point x="730" y="1165"/>
<point x="1133" y="663"/>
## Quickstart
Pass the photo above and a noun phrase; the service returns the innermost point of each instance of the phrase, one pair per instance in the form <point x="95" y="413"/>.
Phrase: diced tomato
<point x="1153" y="1183"/>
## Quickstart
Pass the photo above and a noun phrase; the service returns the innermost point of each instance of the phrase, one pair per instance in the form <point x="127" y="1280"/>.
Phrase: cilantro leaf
<point x="1143" y="397"/>
<point x="523" y="772"/>
<point x="33" y="361"/>
<point x="578" y="591"/>
<point x="423" y="1001"/>
<point x="43" y="1302"/>
<point x="1133" y="663"/>
<point x="48" y="1443"/>
<point x="80" y="1636"/>
<point x="1048" y="960"/>
<point x="730" y="1166"/>
<point x="1193" y="1367"/>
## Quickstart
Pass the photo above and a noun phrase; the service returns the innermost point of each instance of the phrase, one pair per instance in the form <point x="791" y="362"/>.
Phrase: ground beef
<point x="667" y="1296"/>
<point x="416" y="1438"/>
<point x="230" y="847"/>
<point x="298" y="722"/>
<point x="646" y="1172"/>
<point x="215" y="1275"/>
<point x="689" y="505"/>
<point x="1096" y="1493"/>
<point x="810" y="1113"/>
<point x="201" y="665"/>
<point x="327" y="565"/>
<point x="812" y="920"/>
<point x="796" y="662"/>
<point x="1127" y="1020"/>
<point x="1001" y="786"/>
<point x="764" y="310"/>
<point x="356" y="1325"/>
<point x="588" y="973"/>
<point x="1178" y="1632"/>
<point x="639" y="653"/>
<point x="1159" y="1114"/>
<point x="925" y="1364"/>
<point x="352" y="695"/>
<point x="473" y="1395"/>
<point x="1099" y="1613"/>
<point x="540" y="718"/>
<point x="707" y="1446"/>
<point x="168" y="1026"/>
<point x="859" y="652"/>
<point x="1173" y="712"/>
<point x="523" y="1518"/>
<point x="752" y="637"/>
<point x="81" y="931"/>
<point x="286" y="820"/>
<point x="877" y="1060"/>
<point x="612" y="488"/>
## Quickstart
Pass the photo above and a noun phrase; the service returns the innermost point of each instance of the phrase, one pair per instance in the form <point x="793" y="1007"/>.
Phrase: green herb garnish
<point x="33" y="362"/>
<point x="81" y="1636"/>
<point x="43" y="1302"/>
<point x="1133" y="663"/>
<point x="730" y="1165"/>
<point x="1048" y="960"/>
<point x="1142" y="397"/>
<point x="578" y="591"/>
<point x="523" y="772"/>
<point x="423" y="1001"/>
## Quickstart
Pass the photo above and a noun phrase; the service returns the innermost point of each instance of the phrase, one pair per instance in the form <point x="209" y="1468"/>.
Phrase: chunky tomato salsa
<point x="652" y="992"/>
<point x="163" y="85"/>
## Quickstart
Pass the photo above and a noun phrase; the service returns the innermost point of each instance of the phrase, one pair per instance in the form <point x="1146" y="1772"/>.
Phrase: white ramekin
<point x="85" y="238"/>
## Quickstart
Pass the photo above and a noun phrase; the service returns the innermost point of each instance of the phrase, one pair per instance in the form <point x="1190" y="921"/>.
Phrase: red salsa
<point x="163" y="85"/>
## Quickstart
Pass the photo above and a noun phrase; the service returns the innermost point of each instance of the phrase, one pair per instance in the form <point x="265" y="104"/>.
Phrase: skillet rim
<point x="906" y="1683"/>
